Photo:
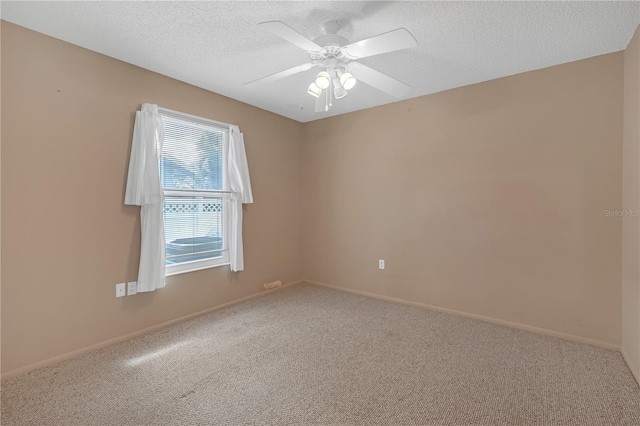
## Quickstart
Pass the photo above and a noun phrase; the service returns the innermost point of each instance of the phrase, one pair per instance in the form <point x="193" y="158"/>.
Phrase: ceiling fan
<point x="335" y="57"/>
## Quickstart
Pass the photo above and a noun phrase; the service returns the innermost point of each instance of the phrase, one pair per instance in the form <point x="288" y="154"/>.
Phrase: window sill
<point x="185" y="268"/>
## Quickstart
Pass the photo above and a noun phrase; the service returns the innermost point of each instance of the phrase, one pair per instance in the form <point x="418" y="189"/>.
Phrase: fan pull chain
<point x="326" y="99"/>
<point x="330" y="93"/>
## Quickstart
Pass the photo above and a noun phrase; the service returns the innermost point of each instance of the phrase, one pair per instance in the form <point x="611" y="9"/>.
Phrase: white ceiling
<point x="218" y="45"/>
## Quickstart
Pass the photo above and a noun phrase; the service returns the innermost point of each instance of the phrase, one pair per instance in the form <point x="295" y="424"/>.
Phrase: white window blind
<point x="194" y="179"/>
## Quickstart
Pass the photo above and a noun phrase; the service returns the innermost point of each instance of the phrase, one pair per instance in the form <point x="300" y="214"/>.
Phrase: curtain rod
<point x="178" y="113"/>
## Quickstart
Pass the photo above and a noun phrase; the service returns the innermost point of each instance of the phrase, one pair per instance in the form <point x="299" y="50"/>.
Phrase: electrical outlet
<point x="381" y="264"/>
<point x="132" y="288"/>
<point x="120" y="290"/>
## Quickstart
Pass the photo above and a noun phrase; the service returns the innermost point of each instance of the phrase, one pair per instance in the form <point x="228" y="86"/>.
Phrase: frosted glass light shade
<point x="339" y="92"/>
<point x="322" y="80"/>
<point x="314" y="90"/>
<point x="347" y="81"/>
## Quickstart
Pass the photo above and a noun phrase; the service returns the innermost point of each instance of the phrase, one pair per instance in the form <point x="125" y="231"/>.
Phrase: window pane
<point x="191" y="156"/>
<point x="193" y="228"/>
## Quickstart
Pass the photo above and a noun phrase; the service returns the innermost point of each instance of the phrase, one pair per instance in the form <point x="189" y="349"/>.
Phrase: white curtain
<point x="240" y="186"/>
<point x="145" y="189"/>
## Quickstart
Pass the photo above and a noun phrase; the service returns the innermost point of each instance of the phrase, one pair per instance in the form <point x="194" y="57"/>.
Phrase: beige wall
<point x="67" y="238"/>
<point x="487" y="199"/>
<point x="631" y="202"/>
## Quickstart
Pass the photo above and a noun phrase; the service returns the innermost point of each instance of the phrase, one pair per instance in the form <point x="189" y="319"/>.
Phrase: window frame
<point x="198" y="265"/>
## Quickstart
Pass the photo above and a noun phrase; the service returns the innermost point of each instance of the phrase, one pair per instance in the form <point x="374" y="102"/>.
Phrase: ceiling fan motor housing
<point x="331" y="40"/>
<point x="330" y="57"/>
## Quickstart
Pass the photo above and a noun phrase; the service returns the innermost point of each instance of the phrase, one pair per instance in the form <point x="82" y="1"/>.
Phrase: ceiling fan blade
<point x="282" y="74"/>
<point x="321" y="103"/>
<point x="287" y="33"/>
<point x="388" y="42"/>
<point x="378" y="80"/>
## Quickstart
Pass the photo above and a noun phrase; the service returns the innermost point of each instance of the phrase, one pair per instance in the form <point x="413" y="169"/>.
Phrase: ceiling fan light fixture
<point x="314" y="90"/>
<point x="347" y="81"/>
<point x="322" y="80"/>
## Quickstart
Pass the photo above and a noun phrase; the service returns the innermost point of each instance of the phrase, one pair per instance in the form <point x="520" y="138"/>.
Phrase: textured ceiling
<point x="219" y="46"/>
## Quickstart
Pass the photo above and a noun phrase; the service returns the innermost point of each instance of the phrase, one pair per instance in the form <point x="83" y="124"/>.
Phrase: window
<point x="193" y="174"/>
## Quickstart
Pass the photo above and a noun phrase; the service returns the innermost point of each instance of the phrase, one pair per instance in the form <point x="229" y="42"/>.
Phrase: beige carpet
<point x="310" y="355"/>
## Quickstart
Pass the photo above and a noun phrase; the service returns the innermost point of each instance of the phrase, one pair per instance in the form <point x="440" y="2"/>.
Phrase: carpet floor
<point x="311" y="355"/>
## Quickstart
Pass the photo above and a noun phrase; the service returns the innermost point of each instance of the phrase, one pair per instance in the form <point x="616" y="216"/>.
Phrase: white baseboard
<point x="519" y="326"/>
<point x="73" y="354"/>
<point x="631" y="367"/>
